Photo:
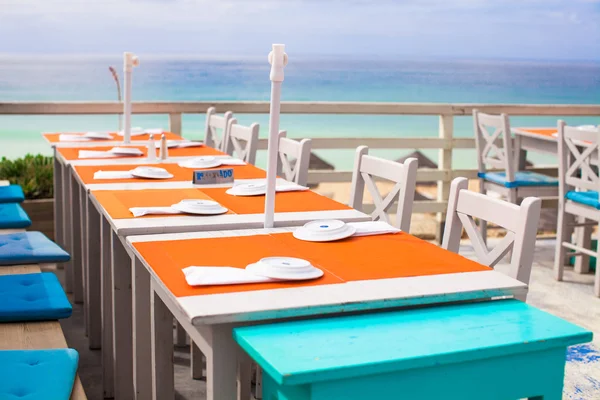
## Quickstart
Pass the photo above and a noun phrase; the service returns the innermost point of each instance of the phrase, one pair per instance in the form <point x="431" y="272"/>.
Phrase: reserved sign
<point x="213" y="176"/>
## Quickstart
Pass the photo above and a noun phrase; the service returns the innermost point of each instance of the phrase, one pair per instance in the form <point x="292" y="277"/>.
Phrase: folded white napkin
<point x="141" y="211"/>
<point x="223" y="162"/>
<point x="188" y="144"/>
<point x="373" y="228"/>
<point x="290" y="187"/>
<point x="65" y="137"/>
<point x="202" y="276"/>
<point x="231" y="161"/>
<point x="99" y="154"/>
<point x="113" y="175"/>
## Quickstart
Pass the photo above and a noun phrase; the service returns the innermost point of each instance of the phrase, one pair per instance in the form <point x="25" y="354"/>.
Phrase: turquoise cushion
<point x="37" y="374"/>
<point x="11" y="194"/>
<point x="589" y="198"/>
<point x="32" y="297"/>
<point x="30" y="248"/>
<point x="12" y="216"/>
<point x="306" y="351"/>
<point x="522" y="178"/>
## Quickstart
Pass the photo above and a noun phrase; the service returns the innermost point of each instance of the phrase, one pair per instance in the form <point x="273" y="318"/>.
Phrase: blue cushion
<point x="11" y="194"/>
<point x="30" y="248"/>
<point x="522" y="178"/>
<point x="37" y="374"/>
<point x="12" y="216"/>
<point x="589" y="198"/>
<point x="32" y="297"/>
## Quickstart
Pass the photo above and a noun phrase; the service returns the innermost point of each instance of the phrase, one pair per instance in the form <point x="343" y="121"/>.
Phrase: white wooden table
<point x="537" y="142"/>
<point x="209" y="319"/>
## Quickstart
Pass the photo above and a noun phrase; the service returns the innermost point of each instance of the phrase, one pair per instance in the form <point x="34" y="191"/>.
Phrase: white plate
<point x="202" y="207"/>
<point x="98" y="135"/>
<point x="248" y="189"/>
<point x="324" y="231"/>
<point x="151" y="173"/>
<point x="129" y="151"/>
<point x="289" y="268"/>
<point x="201" y="162"/>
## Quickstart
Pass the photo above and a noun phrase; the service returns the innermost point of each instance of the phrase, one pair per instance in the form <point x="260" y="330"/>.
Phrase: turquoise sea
<point x="51" y="78"/>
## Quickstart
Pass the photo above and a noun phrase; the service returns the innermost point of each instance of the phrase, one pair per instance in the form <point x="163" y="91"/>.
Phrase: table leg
<point x="108" y="376"/>
<point x="163" y="381"/>
<point x="122" y="320"/>
<point x="75" y="237"/>
<point x="93" y="301"/>
<point x="196" y="361"/>
<point x="58" y="201"/>
<point x="82" y="244"/>
<point x="583" y="238"/>
<point x="66" y="227"/>
<point x="142" y="345"/>
<point x="180" y="335"/>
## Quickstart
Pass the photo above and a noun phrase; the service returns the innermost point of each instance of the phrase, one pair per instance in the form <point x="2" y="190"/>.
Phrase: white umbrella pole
<point x="278" y="60"/>
<point x="129" y="61"/>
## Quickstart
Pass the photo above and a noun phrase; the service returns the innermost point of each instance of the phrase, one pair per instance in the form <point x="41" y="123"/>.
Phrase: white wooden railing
<point x="445" y="142"/>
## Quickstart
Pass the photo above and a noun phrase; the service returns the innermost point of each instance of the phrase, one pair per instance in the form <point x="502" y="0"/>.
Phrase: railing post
<point x="446" y="131"/>
<point x="175" y="123"/>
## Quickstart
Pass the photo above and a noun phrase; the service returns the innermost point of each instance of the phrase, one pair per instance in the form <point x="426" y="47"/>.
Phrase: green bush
<point x="33" y="173"/>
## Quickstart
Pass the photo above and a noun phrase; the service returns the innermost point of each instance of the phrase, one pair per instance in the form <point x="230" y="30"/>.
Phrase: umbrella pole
<point x="129" y="61"/>
<point x="278" y="60"/>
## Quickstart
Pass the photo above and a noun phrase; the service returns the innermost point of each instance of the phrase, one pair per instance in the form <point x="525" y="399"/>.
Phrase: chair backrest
<point x="242" y="141"/>
<point x="494" y="143"/>
<point x="576" y="149"/>
<point x="403" y="174"/>
<point x="520" y="222"/>
<point x="214" y="123"/>
<point x="293" y="159"/>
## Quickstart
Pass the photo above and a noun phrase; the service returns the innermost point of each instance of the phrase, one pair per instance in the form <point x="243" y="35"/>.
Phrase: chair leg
<point x="583" y="238"/>
<point x="559" y="255"/>
<point x="597" y="276"/>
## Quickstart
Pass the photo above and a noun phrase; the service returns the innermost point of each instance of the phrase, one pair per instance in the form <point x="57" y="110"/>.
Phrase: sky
<point x="473" y="29"/>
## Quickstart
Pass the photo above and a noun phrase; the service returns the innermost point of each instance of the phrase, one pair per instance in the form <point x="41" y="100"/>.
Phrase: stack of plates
<point x="126" y="151"/>
<point x="288" y="268"/>
<point x="151" y="173"/>
<point x="248" y="189"/>
<point x="201" y="162"/>
<point x="202" y="207"/>
<point x="324" y="231"/>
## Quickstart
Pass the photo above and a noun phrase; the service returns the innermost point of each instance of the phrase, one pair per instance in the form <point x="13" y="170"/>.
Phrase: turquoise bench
<point x="495" y="350"/>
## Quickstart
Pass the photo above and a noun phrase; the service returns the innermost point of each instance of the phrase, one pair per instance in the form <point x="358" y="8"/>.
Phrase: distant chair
<point x="293" y="160"/>
<point x="579" y="184"/>
<point x="496" y="149"/>
<point x="520" y="222"/>
<point x="403" y="174"/>
<point x="214" y="124"/>
<point x="242" y="141"/>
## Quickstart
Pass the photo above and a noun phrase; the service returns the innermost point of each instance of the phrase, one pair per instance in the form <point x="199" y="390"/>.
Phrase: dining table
<point x="362" y="274"/>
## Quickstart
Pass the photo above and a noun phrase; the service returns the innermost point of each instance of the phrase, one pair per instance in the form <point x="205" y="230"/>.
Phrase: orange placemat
<point x="284" y="202"/>
<point x="72" y="153"/>
<point x="359" y="258"/>
<point x="545" y="132"/>
<point x="118" y="202"/>
<point x="54" y="137"/>
<point x="86" y="172"/>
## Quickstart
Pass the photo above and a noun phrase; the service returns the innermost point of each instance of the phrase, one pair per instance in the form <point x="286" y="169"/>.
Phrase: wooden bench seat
<point x="494" y="350"/>
<point x="34" y="335"/>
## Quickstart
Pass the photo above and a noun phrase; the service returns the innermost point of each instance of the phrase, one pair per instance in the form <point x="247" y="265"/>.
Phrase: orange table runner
<point x="86" y="172"/>
<point x="55" y="137"/>
<point x="72" y="153"/>
<point x="545" y="131"/>
<point x="118" y="202"/>
<point x="354" y="259"/>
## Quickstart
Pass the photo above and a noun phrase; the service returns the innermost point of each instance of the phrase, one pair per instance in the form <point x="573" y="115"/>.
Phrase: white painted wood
<point x="81" y="243"/>
<point x="180" y="336"/>
<point x="216" y="128"/>
<point x="175" y="123"/>
<point x="122" y="320"/>
<point x="520" y="222"/>
<point x="242" y="141"/>
<point x="577" y="151"/>
<point x="142" y="326"/>
<point x="446" y="133"/>
<point x="58" y="201"/>
<point x="198" y="363"/>
<point x="75" y="244"/>
<point x="93" y="302"/>
<point x="403" y="174"/>
<point x="163" y="381"/>
<point x="66" y="240"/>
<point x="294" y="158"/>
<point x="107" y="320"/>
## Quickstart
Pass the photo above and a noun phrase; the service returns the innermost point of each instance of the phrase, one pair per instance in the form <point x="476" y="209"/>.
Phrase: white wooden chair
<point x="520" y="222"/>
<point x="579" y="185"/>
<point x="497" y="149"/>
<point x="293" y="160"/>
<point x="403" y="174"/>
<point x="214" y="124"/>
<point x="242" y="141"/>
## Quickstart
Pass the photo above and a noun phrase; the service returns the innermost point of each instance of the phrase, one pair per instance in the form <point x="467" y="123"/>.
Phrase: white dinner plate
<point x="201" y="207"/>
<point x="98" y="135"/>
<point x="288" y="268"/>
<point x="324" y="231"/>
<point x="129" y="151"/>
<point x="151" y="173"/>
<point x="248" y="189"/>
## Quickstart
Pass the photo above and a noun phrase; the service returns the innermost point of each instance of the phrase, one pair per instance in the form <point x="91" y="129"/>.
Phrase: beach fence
<point x="445" y="143"/>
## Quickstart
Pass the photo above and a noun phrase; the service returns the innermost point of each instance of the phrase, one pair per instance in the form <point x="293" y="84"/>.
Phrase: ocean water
<point x="306" y="79"/>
